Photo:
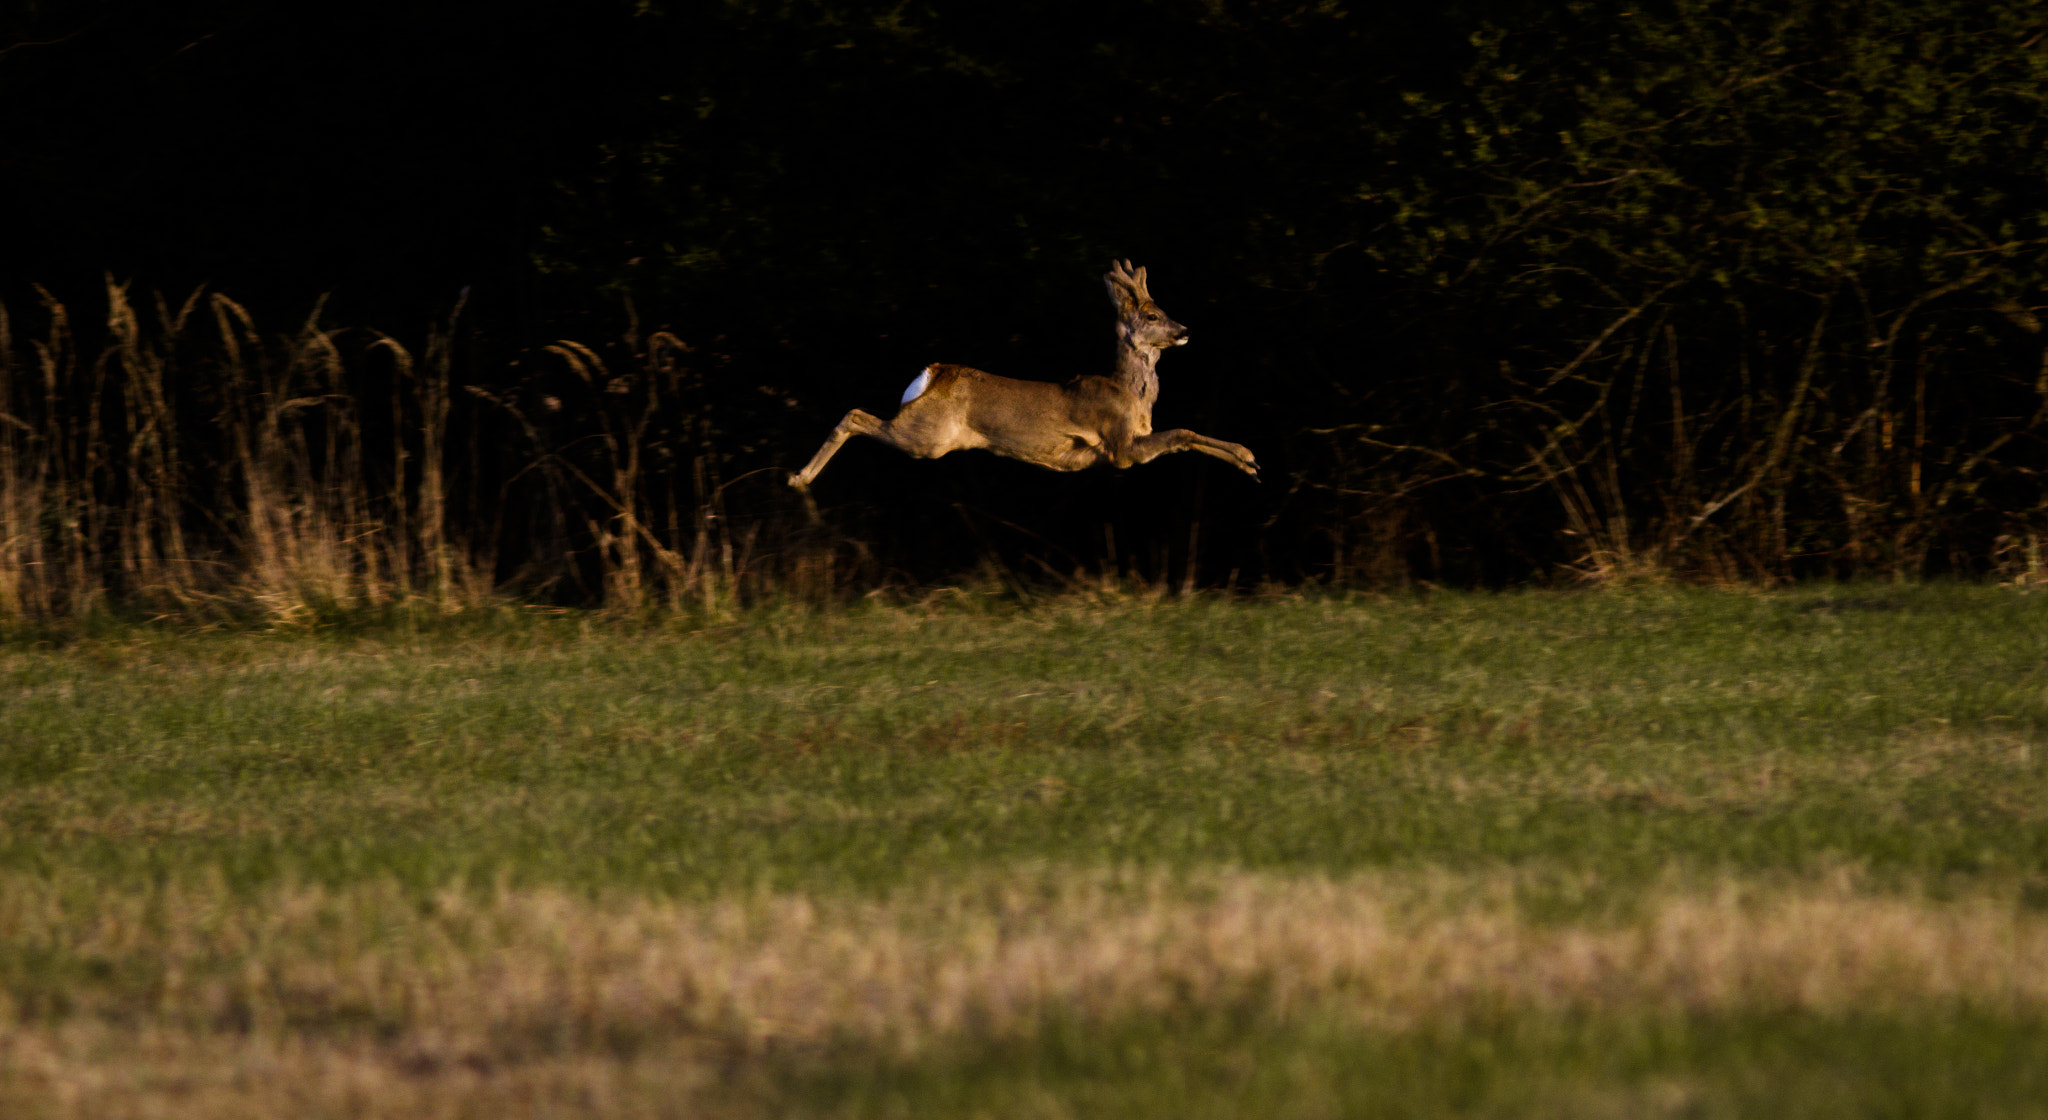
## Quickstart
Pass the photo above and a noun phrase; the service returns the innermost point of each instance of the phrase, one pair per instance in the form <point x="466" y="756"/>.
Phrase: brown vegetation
<point x="361" y="1001"/>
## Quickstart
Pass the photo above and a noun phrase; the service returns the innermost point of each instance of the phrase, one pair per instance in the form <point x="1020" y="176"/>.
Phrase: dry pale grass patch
<point x="371" y="1001"/>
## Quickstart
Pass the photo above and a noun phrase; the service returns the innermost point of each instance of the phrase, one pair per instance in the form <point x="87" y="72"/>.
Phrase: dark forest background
<point x="330" y="305"/>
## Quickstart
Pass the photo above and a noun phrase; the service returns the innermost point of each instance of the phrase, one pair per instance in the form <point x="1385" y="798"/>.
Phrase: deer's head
<point x="1139" y="321"/>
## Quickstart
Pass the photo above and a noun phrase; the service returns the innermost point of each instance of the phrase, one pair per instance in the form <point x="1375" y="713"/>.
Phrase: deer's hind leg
<point x="910" y="438"/>
<point x="855" y="423"/>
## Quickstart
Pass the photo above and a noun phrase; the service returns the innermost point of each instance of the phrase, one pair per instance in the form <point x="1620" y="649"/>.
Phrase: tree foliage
<point x="1741" y="284"/>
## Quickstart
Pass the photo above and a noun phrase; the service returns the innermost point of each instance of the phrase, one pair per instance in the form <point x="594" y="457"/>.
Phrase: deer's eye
<point x="1151" y="318"/>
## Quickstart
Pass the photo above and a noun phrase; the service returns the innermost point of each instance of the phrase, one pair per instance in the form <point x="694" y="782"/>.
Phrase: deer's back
<point x="1032" y="417"/>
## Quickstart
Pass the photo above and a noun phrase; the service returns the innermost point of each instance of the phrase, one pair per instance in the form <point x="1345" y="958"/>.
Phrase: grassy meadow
<point x="1619" y="853"/>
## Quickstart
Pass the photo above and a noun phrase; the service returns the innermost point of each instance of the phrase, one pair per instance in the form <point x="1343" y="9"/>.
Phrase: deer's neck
<point x="1137" y="370"/>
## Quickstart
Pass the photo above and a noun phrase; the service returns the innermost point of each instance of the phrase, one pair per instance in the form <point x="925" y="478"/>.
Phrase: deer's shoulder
<point x="1093" y="388"/>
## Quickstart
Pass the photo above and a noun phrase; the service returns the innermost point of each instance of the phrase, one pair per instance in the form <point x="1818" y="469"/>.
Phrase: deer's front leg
<point x="1146" y="448"/>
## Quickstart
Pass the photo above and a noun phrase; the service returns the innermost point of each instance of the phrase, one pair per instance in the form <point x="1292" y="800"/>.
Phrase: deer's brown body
<point x="1063" y="427"/>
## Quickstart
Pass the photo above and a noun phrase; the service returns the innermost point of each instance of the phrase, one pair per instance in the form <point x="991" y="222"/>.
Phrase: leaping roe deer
<point x="1087" y="421"/>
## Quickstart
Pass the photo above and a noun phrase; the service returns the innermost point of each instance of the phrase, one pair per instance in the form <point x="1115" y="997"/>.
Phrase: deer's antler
<point x="1126" y="285"/>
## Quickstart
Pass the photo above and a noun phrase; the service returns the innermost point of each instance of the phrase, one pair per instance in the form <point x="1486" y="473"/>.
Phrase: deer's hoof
<point x="796" y="482"/>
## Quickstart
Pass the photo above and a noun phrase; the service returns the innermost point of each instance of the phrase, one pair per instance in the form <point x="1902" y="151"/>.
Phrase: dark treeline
<point x="1497" y="291"/>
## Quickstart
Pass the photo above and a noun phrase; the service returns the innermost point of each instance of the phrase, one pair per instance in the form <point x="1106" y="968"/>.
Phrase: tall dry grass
<point x="179" y="459"/>
<point x="187" y="462"/>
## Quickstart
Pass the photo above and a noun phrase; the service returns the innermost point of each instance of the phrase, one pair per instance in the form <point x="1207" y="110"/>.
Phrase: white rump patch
<point x="917" y="387"/>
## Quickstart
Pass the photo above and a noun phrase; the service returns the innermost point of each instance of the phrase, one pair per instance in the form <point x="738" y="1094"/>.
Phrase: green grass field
<point x="1646" y="853"/>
